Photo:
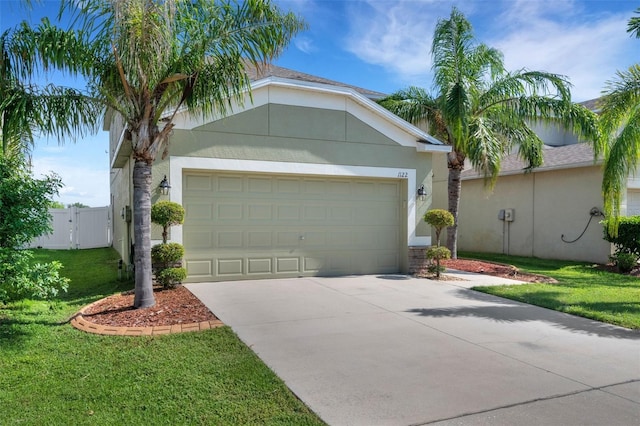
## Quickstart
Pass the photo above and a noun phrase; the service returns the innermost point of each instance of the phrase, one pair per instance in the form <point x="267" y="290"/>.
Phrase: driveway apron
<point x="395" y="350"/>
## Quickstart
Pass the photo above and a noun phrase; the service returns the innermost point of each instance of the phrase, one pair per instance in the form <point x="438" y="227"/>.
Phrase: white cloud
<point x="587" y="51"/>
<point x="563" y="37"/>
<point x="396" y="35"/>
<point x="304" y="44"/>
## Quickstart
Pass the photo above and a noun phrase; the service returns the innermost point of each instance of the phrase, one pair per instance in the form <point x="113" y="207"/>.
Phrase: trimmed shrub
<point x="437" y="253"/>
<point x="439" y="219"/>
<point x="626" y="261"/>
<point x="628" y="238"/>
<point x="171" y="277"/>
<point x="166" y="214"/>
<point x="167" y="253"/>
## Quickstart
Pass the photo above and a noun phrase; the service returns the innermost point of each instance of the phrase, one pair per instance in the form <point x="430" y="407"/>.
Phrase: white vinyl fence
<point x="77" y="228"/>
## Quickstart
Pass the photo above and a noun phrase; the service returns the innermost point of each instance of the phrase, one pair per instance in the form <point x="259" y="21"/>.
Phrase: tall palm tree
<point x="620" y="120"/>
<point x="148" y="60"/>
<point x="482" y="110"/>
<point x="27" y="110"/>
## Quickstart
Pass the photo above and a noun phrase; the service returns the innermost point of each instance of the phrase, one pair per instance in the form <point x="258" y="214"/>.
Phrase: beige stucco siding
<point x="547" y="205"/>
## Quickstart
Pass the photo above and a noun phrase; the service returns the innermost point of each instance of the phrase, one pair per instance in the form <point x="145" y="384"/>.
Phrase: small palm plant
<point x="438" y="219"/>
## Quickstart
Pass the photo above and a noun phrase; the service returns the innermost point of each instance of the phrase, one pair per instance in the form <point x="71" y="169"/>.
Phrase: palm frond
<point x="633" y="27"/>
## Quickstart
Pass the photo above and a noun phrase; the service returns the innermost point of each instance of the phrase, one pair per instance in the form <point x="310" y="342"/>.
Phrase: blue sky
<point x="385" y="46"/>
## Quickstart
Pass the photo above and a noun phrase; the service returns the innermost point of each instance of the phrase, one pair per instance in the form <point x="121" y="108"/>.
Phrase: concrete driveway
<point x="394" y="350"/>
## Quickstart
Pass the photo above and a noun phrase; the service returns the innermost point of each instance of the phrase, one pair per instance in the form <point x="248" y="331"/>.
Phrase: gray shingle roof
<point x="280" y="72"/>
<point x="555" y="157"/>
<point x="591" y="104"/>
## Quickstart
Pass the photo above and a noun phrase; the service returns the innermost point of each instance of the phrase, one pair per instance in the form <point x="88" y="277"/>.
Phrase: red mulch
<point x="495" y="269"/>
<point x="180" y="306"/>
<point x="174" y="306"/>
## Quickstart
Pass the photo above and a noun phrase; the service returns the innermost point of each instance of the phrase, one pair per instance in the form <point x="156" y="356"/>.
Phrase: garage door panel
<point x="198" y="211"/>
<point x="198" y="183"/>
<point x="200" y="239"/>
<point x="315" y="239"/>
<point x="365" y="239"/>
<point x="287" y="239"/>
<point x="314" y="187"/>
<point x="229" y="211"/>
<point x="261" y="225"/>
<point x="260" y="212"/>
<point x="199" y="268"/>
<point x="315" y="213"/>
<point x="232" y="239"/>
<point x="339" y="188"/>
<point x="314" y="263"/>
<point x="232" y="184"/>
<point x="260" y="185"/>
<point x="288" y="186"/>
<point x="341" y="238"/>
<point x="287" y="212"/>
<point x="259" y="266"/>
<point x="388" y="261"/>
<point x="259" y="239"/>
<point x="230" y="266"/>
<point x="288" y="264"/>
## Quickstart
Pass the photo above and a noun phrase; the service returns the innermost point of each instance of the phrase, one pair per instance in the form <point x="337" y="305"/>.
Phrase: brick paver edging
<point x="80" y="323"/>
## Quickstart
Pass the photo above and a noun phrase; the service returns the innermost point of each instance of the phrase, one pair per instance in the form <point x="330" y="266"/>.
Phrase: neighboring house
<point x="551" y="211"/>
<point x="312" y="177"/>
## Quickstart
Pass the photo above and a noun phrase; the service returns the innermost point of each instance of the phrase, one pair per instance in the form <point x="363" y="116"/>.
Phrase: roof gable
<point x="315" y="94"/>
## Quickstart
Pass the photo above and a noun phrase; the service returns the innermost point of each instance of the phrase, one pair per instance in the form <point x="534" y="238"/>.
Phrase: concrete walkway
<point x="394" y="350"/>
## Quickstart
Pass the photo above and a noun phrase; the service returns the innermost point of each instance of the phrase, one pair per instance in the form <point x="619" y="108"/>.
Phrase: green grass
<point x="581" y="290"/>
<point x="52" y="374"/>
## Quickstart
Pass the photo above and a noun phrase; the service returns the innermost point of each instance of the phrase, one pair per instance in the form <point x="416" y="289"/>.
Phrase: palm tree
<point x="482" y="110"/>
<point x="620" y="120"/>
<point x="27" y="109"/>
<point x="148" y="60"/>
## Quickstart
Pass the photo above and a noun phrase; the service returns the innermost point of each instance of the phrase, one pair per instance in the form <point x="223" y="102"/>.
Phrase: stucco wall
<point x="120" y="199"/>
<point x="547" y="205"/>
<point x="283" y="133"/>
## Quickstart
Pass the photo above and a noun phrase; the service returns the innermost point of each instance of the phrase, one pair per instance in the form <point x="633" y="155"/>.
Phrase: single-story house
<point x="310" y="178"/>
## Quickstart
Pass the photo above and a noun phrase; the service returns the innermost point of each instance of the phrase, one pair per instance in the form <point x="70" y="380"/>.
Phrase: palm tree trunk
<point x="455" y="164"/>
<point x="142" y="235"/>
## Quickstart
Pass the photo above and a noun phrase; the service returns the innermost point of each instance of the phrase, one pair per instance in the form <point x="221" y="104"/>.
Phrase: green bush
<point x="167" y="253"/>
<point x="19" y="279"/>
<point x="437" y="253"/>
<point x="628" y="238"/>
<point x="166" y="214"/>
<point x="171" y="277"/>
<point x="439" y="219"/>
<point x="626" y="261"/>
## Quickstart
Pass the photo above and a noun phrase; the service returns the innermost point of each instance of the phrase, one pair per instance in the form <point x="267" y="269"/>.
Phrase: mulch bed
<point x="173" y="306"/>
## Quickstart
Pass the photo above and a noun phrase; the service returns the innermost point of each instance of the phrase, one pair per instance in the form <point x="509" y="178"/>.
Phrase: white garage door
<point x="245" y="226"/>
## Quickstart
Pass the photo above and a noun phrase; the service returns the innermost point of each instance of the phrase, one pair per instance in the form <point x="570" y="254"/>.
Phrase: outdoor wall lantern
<point x="422" y="192"/>
<point x="164" y="186"/>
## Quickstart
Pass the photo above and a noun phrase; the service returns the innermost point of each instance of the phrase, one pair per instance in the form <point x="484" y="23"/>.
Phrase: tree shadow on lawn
<point x="17" y="320"/>
<point x="16" y="330"/>
<point x="508" y="311"/>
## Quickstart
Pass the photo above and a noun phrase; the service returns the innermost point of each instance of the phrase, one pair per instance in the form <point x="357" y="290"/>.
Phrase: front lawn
<point x="582" y="289"/>
<point x="51" y="373"/>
